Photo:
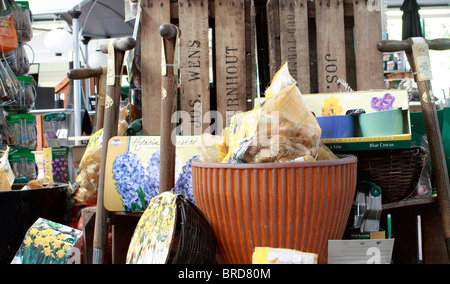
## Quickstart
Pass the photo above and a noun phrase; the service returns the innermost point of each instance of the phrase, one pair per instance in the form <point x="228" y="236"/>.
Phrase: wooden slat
<point x="350" y="52"/>
<point x="330" y="44"/>
<point x="348" y="8"/>
<point x="194" y="63"/>
<point x="250" y="45"/>
<point x="273" y="30"/>
<point x="369" y="61"/>
<point x="294" y="40"/>
<point x="154" y="14"/>
<point x="230" y="58"/>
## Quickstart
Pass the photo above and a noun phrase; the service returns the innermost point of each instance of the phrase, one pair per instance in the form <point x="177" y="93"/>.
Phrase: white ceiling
<point x="39" y="7"/>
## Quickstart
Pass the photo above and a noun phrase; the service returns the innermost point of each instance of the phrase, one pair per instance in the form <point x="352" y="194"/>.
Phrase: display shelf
<point x="410" y="202"/>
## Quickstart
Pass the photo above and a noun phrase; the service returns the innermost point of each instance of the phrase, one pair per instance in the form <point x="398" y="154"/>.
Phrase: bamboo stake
<point x="422" y="75"/>
<point x="117" y="48"/>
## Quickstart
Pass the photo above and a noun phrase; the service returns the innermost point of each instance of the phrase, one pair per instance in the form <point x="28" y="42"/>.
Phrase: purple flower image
<point x="131" y="182"/>
<point x="138" y="185"/>
<point x="376" y="103"/>
<point x="388" y="100"/>
<point x="382" y="104"/>
<point x="60" y="170"/>
<point x="183" y="184"/>
<point x="153" y="175"/>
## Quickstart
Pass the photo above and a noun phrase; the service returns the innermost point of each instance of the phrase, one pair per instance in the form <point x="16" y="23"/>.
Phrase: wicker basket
<point x="400" y="75"/>
<point x="194" y="241"/>
<point x="396" y="172"/>
<point x="172" y="231"/>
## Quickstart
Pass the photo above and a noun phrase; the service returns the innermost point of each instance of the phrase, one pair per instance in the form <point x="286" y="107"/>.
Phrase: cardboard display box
<point x="132" y="170"/>
<point x="72" y="154"/>
<point x="343" y="102"/>
<point x="58" y="164"/>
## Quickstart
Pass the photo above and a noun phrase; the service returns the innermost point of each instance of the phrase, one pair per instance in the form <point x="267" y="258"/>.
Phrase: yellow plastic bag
<point x="6" y="174"/>
<point x="89" y="172"/>
<point x="281" y="80"/>
<point x="89" y="169"/>
<point x="286" y="131"/>
<point x="280" y="129"/>
<point x="207" y="150"/>
<point x="240" y="134"/>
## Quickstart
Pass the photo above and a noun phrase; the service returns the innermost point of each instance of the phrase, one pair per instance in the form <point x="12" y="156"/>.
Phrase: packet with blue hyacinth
<point x="132" y="171"/>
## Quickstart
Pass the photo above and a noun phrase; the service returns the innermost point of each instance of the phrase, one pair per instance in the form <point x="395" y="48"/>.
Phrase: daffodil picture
<point x="332" y="107"/>
<point x="47" y="242"/>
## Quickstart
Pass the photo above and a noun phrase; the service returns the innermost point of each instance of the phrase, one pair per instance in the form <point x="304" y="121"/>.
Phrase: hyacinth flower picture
<point x="131" y="182"/>
<point x="183" y="185"/>
<point x="132" y="171"/>
<point x="183" y="179"/>
<point x="138" y="185"/>
<point x="384" y="103"/>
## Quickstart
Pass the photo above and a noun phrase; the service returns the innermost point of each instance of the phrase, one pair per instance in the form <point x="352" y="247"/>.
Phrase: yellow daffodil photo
<point x="332" y="107"/>
<point x="47" y="242"/>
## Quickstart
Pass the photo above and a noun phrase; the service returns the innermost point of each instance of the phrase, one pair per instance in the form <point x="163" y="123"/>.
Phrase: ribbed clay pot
<point x="299" y="205"/>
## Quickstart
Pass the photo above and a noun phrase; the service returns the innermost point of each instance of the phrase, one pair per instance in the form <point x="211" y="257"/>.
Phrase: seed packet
<point x="47" y="242"/>
<point x="132" y="171"/>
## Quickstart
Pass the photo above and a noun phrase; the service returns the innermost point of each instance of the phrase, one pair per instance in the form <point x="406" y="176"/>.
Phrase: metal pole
<point x="87" y="82"/>
<point x="76" y="65"/>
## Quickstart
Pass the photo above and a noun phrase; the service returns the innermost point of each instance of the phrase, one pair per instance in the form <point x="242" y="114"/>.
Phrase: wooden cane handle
<point x="439" y="43"/>
<point x="168" y="31"/>
<point x="120" y="44"/>
<point x="393" y="45"/>
<point x="397" y="45"/>
<point x="84" y="73"/>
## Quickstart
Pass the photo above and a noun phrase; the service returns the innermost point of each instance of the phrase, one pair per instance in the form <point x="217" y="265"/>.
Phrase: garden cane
<point x="169" y="34"/>
<point x="417" y="52"/>
<point x="96" y="73"/>
<point x="116" y="53"/>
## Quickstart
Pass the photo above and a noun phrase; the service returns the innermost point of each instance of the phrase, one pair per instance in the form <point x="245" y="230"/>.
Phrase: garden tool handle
<point x="430" y="116"/>
<point x="84" y="73"/>
<point x="111" y="120"/>
<point x="405" y="45"/>
<point x="88" y="73"/>
<point x="168" y="31"/>
<point x="168" y="34"/>
<point x="120" y="44"/>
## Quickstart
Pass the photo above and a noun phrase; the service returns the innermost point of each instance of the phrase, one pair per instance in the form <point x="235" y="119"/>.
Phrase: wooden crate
<point x="233" y="60"/>
<point x="326" y="40"/>
<point x="323" y="40"/>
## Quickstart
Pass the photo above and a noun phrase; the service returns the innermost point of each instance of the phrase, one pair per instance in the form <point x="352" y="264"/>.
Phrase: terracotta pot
<point x="285" y="205"/>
